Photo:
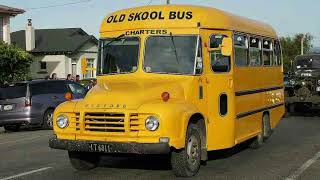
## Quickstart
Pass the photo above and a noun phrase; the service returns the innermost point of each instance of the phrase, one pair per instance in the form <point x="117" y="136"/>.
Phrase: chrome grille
<point x="104" y="122"/>
<point x="136" y="122"/>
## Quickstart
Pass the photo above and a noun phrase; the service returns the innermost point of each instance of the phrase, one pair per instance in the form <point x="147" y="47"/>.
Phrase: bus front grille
<point x="104" y="122"/>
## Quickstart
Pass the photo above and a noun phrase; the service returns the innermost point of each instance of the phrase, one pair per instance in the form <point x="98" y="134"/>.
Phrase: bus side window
<point x="219" y="63"/>
<point x="241" y="50"/>
<point x="277" y="54"/>
<point x="255" y="52"/>
<point x="267" y="52"/>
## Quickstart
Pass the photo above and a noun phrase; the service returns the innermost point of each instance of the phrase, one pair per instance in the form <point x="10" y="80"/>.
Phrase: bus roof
<point x="182" y="16"/>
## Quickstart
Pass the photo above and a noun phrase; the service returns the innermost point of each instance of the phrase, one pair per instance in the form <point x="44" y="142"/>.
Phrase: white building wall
<point x="55" y="64"/>
<point x="62" y="64"/>
<point x="6" y="29"/>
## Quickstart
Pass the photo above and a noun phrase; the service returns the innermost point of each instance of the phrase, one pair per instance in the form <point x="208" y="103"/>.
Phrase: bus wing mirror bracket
<point x="226" y="46"/>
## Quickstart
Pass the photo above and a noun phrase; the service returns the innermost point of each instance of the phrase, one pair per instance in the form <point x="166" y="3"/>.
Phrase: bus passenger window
<point x="219" y="63"/>
<point x="267" y="52"/>
<point x="241" y="50"/>
<point x="277" y="54"/>
<point x="255" y="52"/>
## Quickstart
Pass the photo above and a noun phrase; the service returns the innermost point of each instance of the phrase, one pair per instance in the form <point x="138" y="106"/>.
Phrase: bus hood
<point x="131" y="94"/>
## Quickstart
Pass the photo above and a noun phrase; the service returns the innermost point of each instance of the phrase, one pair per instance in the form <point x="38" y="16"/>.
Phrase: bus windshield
<point x="119" y="56"/>
<point x="170" y="54"/>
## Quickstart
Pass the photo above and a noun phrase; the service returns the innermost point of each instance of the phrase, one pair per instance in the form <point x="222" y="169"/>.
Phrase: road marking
<point x="31" y="138"/>
<point x="26" y="173"/>
<point x="305" y="166"/>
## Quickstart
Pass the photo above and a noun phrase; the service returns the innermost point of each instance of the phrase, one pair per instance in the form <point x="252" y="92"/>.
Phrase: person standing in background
<point x="54" y="76"/>
<point x="77" y="80"/>
<point x="69" y="77"/>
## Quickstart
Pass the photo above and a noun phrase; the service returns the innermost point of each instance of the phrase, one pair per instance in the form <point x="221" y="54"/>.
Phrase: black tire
<point x="83" y="161"/>
<point x="47" y="122"/>
<point x="267" y="127"/>
<point x="12" y="128"/>
<point x="182" y="164"/>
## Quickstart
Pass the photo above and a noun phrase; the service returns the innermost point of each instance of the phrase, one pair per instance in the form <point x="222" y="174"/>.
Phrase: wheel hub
<point x="192" y="150"/>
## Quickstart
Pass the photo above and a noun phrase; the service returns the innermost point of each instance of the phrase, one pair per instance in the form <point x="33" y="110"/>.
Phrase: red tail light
<point x="27" y="102"/>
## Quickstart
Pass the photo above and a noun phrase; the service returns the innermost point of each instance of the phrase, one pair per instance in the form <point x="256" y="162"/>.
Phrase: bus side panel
<point x="247" y="79"/>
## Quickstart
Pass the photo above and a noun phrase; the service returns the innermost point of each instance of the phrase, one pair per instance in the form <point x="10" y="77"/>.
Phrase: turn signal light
<point x="68" y="96"/>
<point x="165" y="96"/>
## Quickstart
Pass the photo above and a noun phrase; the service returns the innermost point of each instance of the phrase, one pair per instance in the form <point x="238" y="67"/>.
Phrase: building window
<point x="43" y="65"/>
<point x="90" y="68"/>
<point x="74" y="69"/>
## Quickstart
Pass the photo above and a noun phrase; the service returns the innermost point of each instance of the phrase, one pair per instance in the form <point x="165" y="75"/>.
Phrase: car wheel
<point x="83" y="161"/>
<point x="12" y="128"/>
<point x="48" y="119"/>
<point x="186" y="162"/>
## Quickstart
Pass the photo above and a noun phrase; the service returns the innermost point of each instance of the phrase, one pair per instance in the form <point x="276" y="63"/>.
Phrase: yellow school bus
<point x="175" y="79"/>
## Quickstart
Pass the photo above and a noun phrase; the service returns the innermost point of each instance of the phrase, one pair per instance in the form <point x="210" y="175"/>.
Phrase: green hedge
<point x="14" y="64"/>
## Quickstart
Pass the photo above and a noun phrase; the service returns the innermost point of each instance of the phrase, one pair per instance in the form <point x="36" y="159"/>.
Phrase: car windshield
<point x="308" y="63"/>
<point x="170" y="54"/>
<point x="118" y="55"/>
<point x="13" y="91"/>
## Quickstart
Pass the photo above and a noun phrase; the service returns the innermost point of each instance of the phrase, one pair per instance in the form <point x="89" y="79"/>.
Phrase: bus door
<point x="218" y="73"/>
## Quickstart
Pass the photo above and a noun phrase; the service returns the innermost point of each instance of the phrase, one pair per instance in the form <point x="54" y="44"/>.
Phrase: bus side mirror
<point x="226" y="46"/>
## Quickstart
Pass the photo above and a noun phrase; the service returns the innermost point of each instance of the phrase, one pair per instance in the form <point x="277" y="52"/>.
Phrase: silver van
<point x="33" y="102"/>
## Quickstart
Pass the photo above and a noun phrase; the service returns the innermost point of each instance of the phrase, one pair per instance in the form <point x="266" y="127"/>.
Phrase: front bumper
<point x="109" y="147"/>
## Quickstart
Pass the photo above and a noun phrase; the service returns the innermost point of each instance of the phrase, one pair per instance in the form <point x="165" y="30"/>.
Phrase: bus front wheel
<point x="186" y="162"/>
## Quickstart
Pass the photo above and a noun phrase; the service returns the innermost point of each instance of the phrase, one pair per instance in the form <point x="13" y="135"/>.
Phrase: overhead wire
<point x="58" y="5"/>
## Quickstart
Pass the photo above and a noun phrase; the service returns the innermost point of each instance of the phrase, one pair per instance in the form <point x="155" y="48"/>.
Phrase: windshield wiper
<point x="113" y="40"/>
<point x="174" y="47"/>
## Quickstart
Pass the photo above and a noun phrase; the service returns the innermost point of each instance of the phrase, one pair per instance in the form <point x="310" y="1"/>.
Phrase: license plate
<point x="318" y="89"/>
<point x="104" y="148"/>
<point x="7" y="107"/>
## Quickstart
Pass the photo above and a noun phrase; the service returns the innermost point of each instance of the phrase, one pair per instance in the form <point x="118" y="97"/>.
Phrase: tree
<point x="14" y="63"/>
<point x="291" y="47"/>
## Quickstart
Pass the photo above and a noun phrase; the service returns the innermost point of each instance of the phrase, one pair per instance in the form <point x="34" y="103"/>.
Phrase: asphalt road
<point x="293" y="152"/>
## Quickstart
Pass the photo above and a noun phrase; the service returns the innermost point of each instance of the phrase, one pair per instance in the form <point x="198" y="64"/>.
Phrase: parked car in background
<point x="33" y="102"/>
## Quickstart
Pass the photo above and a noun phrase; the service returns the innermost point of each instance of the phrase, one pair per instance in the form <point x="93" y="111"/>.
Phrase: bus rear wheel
<point x="83" y="161"/>
<point x="265" y="133"/>
<point x="186" y="162"/>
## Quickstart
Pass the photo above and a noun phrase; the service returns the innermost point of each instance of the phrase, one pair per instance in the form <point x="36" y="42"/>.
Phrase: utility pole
<point x="302" y="42"/>
<point x="168" y="1"/>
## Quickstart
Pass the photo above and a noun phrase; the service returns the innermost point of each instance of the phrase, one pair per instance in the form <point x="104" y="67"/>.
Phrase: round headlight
<point x="62" y="121"/>
<point x="319" y="82"/>
<point x="152" y="123"/>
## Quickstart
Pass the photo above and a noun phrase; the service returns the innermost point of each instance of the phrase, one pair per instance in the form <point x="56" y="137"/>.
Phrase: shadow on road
<point x="160" y="162"/>
<point x="146" y="162"/>
<point x="306" y="113"/>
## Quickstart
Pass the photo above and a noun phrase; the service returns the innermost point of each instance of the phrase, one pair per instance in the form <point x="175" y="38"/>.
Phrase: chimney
<point x="30" y="37"/>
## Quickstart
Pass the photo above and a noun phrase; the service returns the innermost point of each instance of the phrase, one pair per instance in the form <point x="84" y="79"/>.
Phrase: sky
<point x="288" y="17"/>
